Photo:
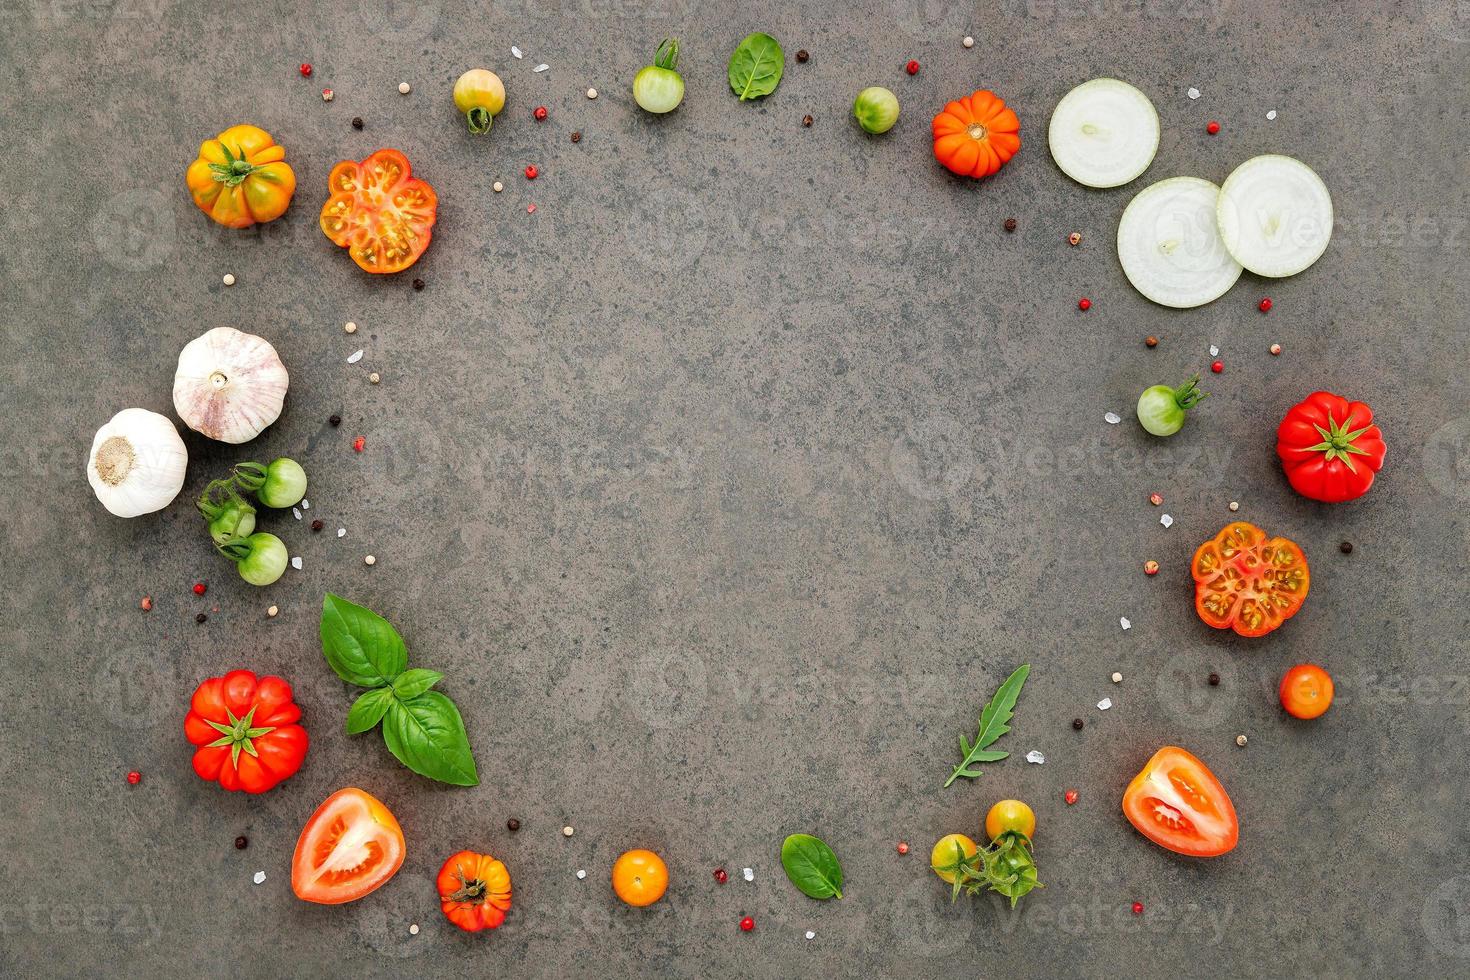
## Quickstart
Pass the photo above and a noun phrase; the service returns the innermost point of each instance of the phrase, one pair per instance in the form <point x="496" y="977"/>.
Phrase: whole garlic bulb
<point x="137" y="463"/>
<point x="230" y="385"/>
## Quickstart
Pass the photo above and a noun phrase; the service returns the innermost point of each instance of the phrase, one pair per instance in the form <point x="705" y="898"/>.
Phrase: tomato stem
<point x="234" y="170"/>
<point x="469" y="892"/>
<point x="668" y="54"/>
<point x="1188" y="395"/>
<point x="479" y="119"/>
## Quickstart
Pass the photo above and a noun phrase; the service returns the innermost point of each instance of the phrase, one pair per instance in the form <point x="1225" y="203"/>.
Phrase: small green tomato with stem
<point x="228" y="514"/>
<point x="1161" y="408"/>
<point x="281" y="484"/>
<point x="260" y="558"/>
<point x="658" y="88"/>
<point x="876" y="109"/>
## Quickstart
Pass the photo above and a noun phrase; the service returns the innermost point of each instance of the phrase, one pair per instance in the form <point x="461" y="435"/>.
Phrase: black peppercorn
<point x="1214" y="680"/>
<point x="1077" y="724"/>
<point x="316" y="525"/>
<point x="806" y="120"/>
<point x="241" y="843"/>
<point x="1346" y="547"/>
<point x="418" y="284"/>
<point x="200" y="618"/>
<point x="802" y="55"/>
<point x="1010" y="224"/>
<point x="336" y="420"/>
<point x="512" y="825"/>
<point x="356" y="122"/>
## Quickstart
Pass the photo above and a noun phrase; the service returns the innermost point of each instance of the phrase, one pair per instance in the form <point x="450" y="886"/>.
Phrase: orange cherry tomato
<point x="382" y="214"/>
<point x="1247" y="582"/>
<point x="975" y="136"/>
<point x="351" y="845"/>
<point x="1010" y="815"/>
<point x="1306" y="691"/>
<point x="949" y="853"/>
<point x="1177" y="803"/>
<point x="474" y="891"/>
<point x="640" y="877"/>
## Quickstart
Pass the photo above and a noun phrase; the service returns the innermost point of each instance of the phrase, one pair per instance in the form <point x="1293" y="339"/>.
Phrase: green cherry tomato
<point x="658" y="88"/>
<point x="281" y="484"/>
<point x="876" y="109"/>
<point x="236" y="519"/>
<point x="1161" y="408"/>
<point x="264" y="559"/>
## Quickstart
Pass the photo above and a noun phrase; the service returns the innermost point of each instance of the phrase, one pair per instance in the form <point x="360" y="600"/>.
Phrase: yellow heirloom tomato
<point x="241" y="177"/>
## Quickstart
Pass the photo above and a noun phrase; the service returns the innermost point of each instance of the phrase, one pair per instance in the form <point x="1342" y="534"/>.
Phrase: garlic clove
<point x="137" y="463"/>
<point x="229" y="385"/>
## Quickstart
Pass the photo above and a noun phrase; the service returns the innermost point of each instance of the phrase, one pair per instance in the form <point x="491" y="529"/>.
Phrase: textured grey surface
<point x="727" y="485"/>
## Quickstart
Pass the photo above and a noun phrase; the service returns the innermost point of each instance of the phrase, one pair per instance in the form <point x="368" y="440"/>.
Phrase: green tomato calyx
<point x="479" y="119"/>
<point x="1188" y="395"/>
<point x="234" y="170"/>
<point x="1338" y="441"/>
<point x="668" y="54"/>
<point x="238" y="735"/>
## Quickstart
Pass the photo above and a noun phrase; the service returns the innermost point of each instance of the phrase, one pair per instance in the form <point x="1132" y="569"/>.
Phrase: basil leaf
<point x="361" y="646"/>
<point x="368" y="710"/>
<point x="756" y="66"/>
<point x="411" y="683"/>
<point x="812" y="866"/>
<point x="427" y="735"/>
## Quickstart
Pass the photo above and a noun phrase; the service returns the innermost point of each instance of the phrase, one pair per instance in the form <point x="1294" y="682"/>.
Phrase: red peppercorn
<point x="359" y="444"/>
<point x="1212" y="128"/>
<point x="912" y="67"/>
<point x="1150" y="567"/>
<point x="1218" y="366"/>
<point x="134" y="778"/>
<point x="1070" y="796"/>
<point x="147" y="604"/>
<point x="721" y="876"/>
<point x="199" y="588"/>
<point x="1084" y="303"/>
<point x="540" y="113"/>
<point x="1156" y="499"/>
<point x="531" y="172"/>
<point x="1265" y="304"/>
<point x="747" y="924"/>
<point x="903" y="847"/>
<point x="1137" y="908"/>
<point x="305" y="70"/>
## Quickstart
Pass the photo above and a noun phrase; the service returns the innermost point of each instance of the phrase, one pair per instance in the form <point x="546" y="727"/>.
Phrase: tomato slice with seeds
<point x="1177" y="803"/>
<point x="1248" y="582"/>
<point x="351" y="845"/>
<point x="382" y="214"/>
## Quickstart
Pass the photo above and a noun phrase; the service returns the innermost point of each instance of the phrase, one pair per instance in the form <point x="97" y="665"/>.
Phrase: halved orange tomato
<point x="351" y="845"/>
<point x="1177" y="803"/>
<point x="1248" y="582"/>
<point x="382" y="214"/>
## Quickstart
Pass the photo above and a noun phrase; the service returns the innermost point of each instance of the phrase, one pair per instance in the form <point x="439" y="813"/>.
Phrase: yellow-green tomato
<point x="659" y="87"/>
<point x="876" y="109"/>
<point x="1010" y="815"/>
<point x="480" y="95"/>
<point x="950" y="852"/>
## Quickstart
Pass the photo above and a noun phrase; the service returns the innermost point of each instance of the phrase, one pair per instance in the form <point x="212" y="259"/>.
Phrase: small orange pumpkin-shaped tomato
<point x="976" y="135"/>
<point x="241" y="177"/>
<point x="474" y="891"/>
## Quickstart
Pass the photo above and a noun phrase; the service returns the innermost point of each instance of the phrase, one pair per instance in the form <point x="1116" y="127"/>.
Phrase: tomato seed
<point x="540" y="113"/>
<point x="134" y="778"/>
<point x="1214" y="679"/>
<point x="1156" y="499"/>
<point x="241" y="843"/>
<point x="1218" y="366"/>
<point x="147" y="604"/>
<point x="1070" y="796"/>
<point x="1137" y="908"/>
<point x="1265" y="305"/>
<point x="721" y="876"/>
<point x="1075" y="238"/>
<point x="747" y="924"/>
<point x="1212" y="128"/>
<point x="1150" y="567"/>
<point x="1275" y="349"/>
<point x="1084" y="304"/>
<point x="912" y="67"/>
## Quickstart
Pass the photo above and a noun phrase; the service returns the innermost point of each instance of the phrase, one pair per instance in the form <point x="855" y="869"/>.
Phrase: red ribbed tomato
<point x="246" y="731"/>
<point x="1330" y="447"/>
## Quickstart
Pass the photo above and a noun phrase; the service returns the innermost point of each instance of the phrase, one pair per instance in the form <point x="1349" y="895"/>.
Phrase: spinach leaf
<point x="756" y="66"/>
<point x="361" y="646"/>
<point x="812" y="866"/>
<point x="427" y="734"/>
<point x="411" y="683"/>
<point x="368" y="710"/>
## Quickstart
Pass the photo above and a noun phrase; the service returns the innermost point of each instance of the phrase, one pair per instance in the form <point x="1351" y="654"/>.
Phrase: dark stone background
<point x="726" y="487"/>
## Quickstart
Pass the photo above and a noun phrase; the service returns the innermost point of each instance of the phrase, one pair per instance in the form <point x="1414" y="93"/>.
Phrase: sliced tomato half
<point x="351" y="845"/>
<point x="1177" y="803"/>
<point x="382" y="214"/>
<point x="1248" y="582"/>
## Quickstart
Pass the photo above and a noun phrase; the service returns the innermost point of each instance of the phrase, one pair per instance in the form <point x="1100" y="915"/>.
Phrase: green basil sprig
<point x="756" y="66"/>
<point x="421" y="727"/>
<point x="812" y="866"/>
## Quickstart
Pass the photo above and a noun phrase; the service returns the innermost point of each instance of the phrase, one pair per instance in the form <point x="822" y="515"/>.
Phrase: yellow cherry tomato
<point x="241" y="177"/>
<point x="480" y="95"/>
<point x="947" y="854"/>
<point x="1010" y="815"/>
<point x="640" y="877"/>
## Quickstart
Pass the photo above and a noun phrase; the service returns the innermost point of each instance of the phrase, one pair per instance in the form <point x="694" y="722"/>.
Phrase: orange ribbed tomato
<point x="241" y="177"/>
<point x="976" y="135"/>
<point x="474" y="891"/>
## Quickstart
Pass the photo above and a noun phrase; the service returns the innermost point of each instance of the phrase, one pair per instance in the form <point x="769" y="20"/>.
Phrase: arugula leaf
<point x="756" y="66"/>
<point x="993" y="724"/>
<point x="411" y="683"/>
<point x="427" y="734"/>
<point x="368" y="710"/>
<point x="812" y="866"/>
<point x="361" y="646"/>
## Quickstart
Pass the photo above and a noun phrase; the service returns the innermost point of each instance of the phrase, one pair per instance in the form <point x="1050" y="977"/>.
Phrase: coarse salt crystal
<point x="516" y="51"/>
<point x="296" y="513"/>
<point x="581" y="874"/>
<point x="258" y="877"/>
<point x="748" y="874"/>
<point x="1193" y="92"/>
<point x="1104" y="704"/>
<point x="810" y="934"/>
<point x="1271" y="114"/>
<point x="1214" y="351"/>
<point x="1167" y="521"/>
<point x="305" y="504"/>
<point x="296" y="563"/>
<point x="541" y="67"/>
<point x="1112" y="418"/>
<point x="355" y="358"/>
<point x="1035" y="756"/>
<point x="341" y="532"/>
<point x="1125" y="622"/>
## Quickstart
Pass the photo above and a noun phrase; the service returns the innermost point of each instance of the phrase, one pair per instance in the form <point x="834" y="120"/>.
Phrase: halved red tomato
<point x="382" y="214"/>
<point x="1248" y="582"/>
<point x="351" y="845"/>
<point x="1177" y="803"/>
